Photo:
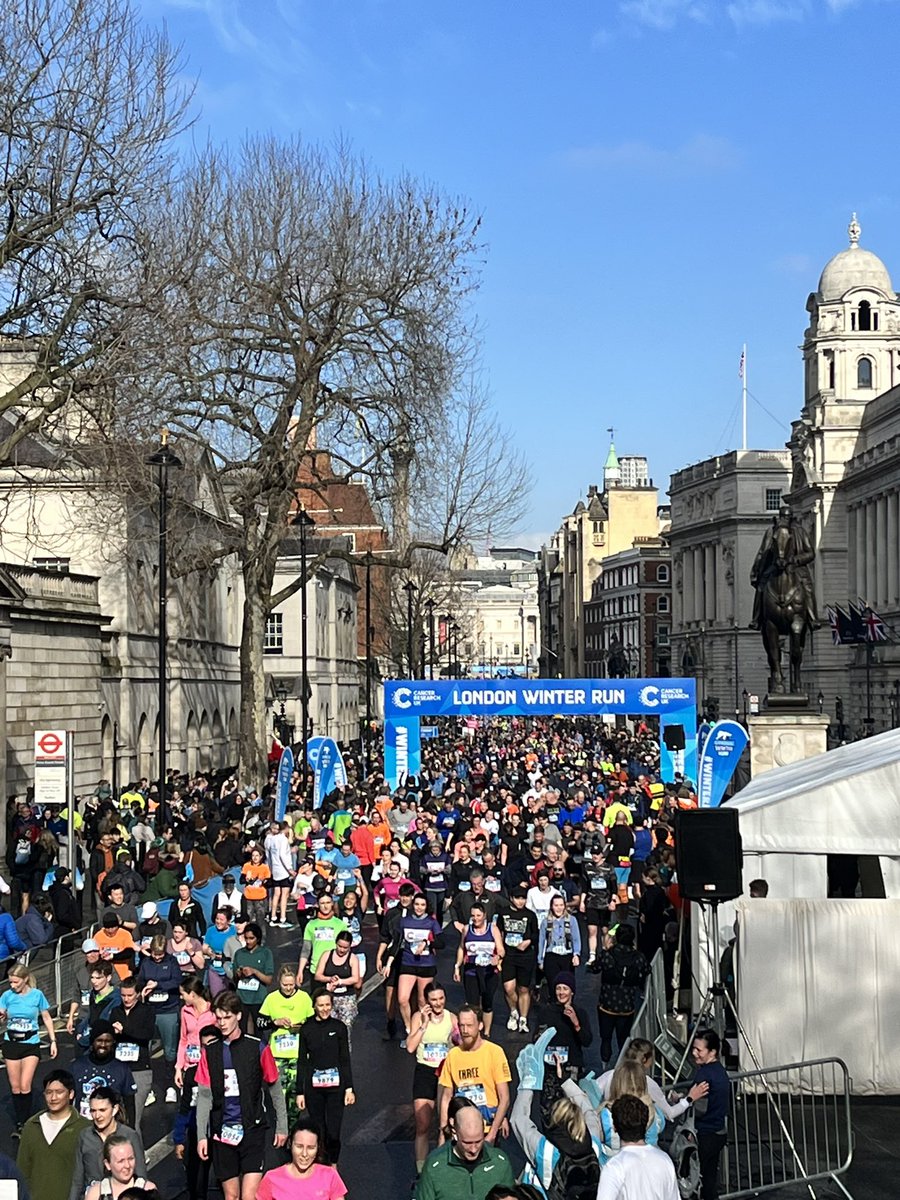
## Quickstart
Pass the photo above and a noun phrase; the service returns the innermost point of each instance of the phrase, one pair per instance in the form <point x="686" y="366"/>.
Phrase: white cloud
<point x="701" y="153"/>
<point x="767" y="12"/>
<point x="664" y="14"/>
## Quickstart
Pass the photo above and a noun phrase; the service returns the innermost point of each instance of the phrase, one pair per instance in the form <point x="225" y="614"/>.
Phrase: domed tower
<point x="852" y="346"/>
<point x="851" y="354"/>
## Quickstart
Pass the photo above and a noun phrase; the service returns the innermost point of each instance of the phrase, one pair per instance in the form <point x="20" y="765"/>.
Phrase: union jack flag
<point x="876" y="630"/>
<point x="835" y="627"/>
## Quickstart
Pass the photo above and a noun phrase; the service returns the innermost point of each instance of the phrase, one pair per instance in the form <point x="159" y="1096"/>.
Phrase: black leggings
<point x="618" y="1024"/>
<point x="326" y="1109"/>
<point x="480" y="985"/>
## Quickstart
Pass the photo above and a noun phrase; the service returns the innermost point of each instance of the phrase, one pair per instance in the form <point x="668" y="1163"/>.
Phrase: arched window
<point x="864" y="373"/>
<point x="662" y="573"/>
<point x="865" y="316"/>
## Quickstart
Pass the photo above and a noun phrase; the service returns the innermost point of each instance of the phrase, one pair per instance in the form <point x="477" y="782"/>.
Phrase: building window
<point x="53" y="564"/>
<point x="662" y="573"/>
<point x="865" y="316"/>
<point x="274" y="639"/>
<point x="662" y="635"/>
<point x="517" y="649"/>
<point x="773" y="499"/>
<point x="864" y="373"/>
<point x="662" y="604"/>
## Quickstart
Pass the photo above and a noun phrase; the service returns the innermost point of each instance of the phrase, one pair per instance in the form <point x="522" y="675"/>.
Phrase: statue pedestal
<point x="779" y="738"/>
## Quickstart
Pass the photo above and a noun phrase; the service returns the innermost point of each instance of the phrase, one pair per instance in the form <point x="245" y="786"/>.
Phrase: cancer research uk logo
<point x="406" y="697"/>
<point x="655" y="697"/>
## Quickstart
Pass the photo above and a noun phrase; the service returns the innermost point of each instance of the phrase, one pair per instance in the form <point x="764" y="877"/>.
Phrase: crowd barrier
<point x="53" y="967"/>
<point x="788" y="1125"/>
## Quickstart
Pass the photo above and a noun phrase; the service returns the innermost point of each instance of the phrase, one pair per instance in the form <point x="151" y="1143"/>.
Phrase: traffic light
<point x="711" y="704"/>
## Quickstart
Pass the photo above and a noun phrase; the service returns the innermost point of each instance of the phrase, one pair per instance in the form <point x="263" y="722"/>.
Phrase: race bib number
<point x="287" y="1043"/>
<point x="416" y="936"/>
<point x="231" y="1135"/>
<point x="492" y="885"/>
<point x="250" y="984"/>
<point x="329" y="1078"/>
<point x="514" y="939"/>
<point x="391" y="904"/>
<point x="474" y="1092"/>
<point x="128" y="1052"/>
<point x="434" y="1053"/>
<point x="598" y="885"/>
<point x="192" y="1055"/>
<point x="323" y="935"/>
<point x="465" y="886"/>
<point x="21" y="1025"/>
<point x="218" y="962"/>
<point x="157" y="997"/>
<point x="552" y="1053"/>
<point x="479" y="953"/>
<point x="182" y="958"/>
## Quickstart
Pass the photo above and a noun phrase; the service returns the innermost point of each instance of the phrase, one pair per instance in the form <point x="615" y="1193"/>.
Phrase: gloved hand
<point x="530" y="1063"/>
<point x="588" y="1084"/>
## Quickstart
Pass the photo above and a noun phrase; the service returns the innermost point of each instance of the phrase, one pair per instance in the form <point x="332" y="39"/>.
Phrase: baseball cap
<point x="148" y="910"/>
<point x="89" y="945"/>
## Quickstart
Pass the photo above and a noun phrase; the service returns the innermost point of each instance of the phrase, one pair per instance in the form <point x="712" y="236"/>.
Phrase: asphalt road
<point x="377" y="1159"/>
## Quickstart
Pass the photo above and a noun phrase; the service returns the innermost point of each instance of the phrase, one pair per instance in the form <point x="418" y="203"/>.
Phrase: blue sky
<point x="660" y="181"/>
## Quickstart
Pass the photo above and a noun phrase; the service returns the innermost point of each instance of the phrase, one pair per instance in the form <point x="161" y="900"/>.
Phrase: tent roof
<point x="846" y="801"/>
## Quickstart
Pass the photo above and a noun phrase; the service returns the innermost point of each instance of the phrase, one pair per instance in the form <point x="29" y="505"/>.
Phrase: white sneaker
<point x="513" y="1022"/>
<point x="523" y="1024"/>
<point x="151" y="1099"/>
<point x="171" y="1096"/>
<point x="591" y="960"/>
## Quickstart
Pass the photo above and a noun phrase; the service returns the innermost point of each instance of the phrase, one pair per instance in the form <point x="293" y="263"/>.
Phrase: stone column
<point x="709" y="580"/>
<point x="893" y="588"/>
<point x="860" y="549"/>
<point x="881" y="590"/>
<point x="852" y="536"/>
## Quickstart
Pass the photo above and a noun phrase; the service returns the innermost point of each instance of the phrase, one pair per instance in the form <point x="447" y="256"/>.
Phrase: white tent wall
<point x="821" y="979"/>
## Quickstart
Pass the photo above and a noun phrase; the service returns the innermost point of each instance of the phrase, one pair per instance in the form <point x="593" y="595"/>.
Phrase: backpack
<point x="632" y="974"/>
<point x="575" y="1177"/>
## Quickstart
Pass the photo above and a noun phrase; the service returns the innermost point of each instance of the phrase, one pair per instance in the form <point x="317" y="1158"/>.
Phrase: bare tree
<point x="90" y="104"/>
<point x="315" y="300"/>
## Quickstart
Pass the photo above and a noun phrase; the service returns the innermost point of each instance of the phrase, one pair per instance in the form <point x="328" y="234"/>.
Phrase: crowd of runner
<point x="534" y="852"/>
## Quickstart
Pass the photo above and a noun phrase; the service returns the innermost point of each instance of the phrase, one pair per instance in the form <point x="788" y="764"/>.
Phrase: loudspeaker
<point x="708" y="854"/>
<point x="673" y="737"/>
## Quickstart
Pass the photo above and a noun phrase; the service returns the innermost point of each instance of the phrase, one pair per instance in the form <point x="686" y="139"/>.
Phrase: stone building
<point x="628" y="618"/>
<point x="845" y="471"/>
<point x="496" y="601"/>
<point x="720" y="509"/>
<point x="606" y="522"/>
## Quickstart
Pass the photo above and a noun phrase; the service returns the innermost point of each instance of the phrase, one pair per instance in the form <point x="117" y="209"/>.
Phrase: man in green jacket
<point x="50" y="1140"/>
<point x="466" y="1168"/>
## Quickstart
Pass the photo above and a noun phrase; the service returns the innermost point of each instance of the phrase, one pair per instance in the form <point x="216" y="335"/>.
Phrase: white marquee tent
<point x="820" y="977"/>
<point x="844" y="802"/>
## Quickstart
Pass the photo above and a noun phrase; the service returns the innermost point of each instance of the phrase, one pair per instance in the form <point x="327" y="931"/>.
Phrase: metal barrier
<point x="55" y="976"/>
<point x="788" y="1125"/>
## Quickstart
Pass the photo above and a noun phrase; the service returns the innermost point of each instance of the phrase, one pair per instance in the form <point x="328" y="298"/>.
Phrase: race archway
<point x="406" y="701"/>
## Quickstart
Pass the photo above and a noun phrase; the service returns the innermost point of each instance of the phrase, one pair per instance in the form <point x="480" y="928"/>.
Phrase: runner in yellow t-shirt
<point x="478" y="1070"/>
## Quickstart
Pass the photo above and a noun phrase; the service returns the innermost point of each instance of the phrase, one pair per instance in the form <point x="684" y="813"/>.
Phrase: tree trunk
<point x="252" y="762"/>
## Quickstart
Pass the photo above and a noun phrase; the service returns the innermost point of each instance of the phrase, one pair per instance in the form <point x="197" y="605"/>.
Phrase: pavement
<point x="377" y="1157"/>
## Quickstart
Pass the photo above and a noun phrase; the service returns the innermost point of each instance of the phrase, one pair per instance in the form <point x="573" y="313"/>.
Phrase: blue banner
<point x="402" y="750"/>
<point x="330" y="771"/>
<point x="313" y="746"/>
<point x="285" y="772"/>
<point x="726" y="743"/>
<point x="702" y="735"/>
<point x="674" y="701"/>
<point x="536" y="697"/>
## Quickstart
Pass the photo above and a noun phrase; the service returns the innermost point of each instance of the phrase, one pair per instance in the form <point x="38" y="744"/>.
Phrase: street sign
<point x="51" y="748"/>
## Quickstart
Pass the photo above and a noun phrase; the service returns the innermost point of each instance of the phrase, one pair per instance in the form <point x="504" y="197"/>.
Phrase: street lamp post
<point x="368" y="731"/>
<point x="454" y="629"/>
<point x="303" y="521"/>
<point x="522" y="632"/>
<point x="163" y="459"/>
<point x="429" y="608"/>
<point x="448" y="622"/>
<point x="410" y="588"/>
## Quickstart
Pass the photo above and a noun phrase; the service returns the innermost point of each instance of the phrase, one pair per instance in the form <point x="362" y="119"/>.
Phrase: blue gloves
<point x="530" y="1063"/>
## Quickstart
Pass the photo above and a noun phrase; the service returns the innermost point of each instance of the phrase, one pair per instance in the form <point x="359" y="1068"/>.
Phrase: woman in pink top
<point x="303" y="1178"/>
<point x="196" y="1012"/>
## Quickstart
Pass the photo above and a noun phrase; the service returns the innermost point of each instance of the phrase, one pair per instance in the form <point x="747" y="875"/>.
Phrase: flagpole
<point x="744" y="395"/>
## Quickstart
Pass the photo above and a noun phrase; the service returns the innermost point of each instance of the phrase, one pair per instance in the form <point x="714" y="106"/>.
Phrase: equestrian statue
<point x="785" y="601"/>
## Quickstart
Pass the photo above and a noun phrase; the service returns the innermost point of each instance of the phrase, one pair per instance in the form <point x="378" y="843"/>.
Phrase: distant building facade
<point x="498" y="613"/>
